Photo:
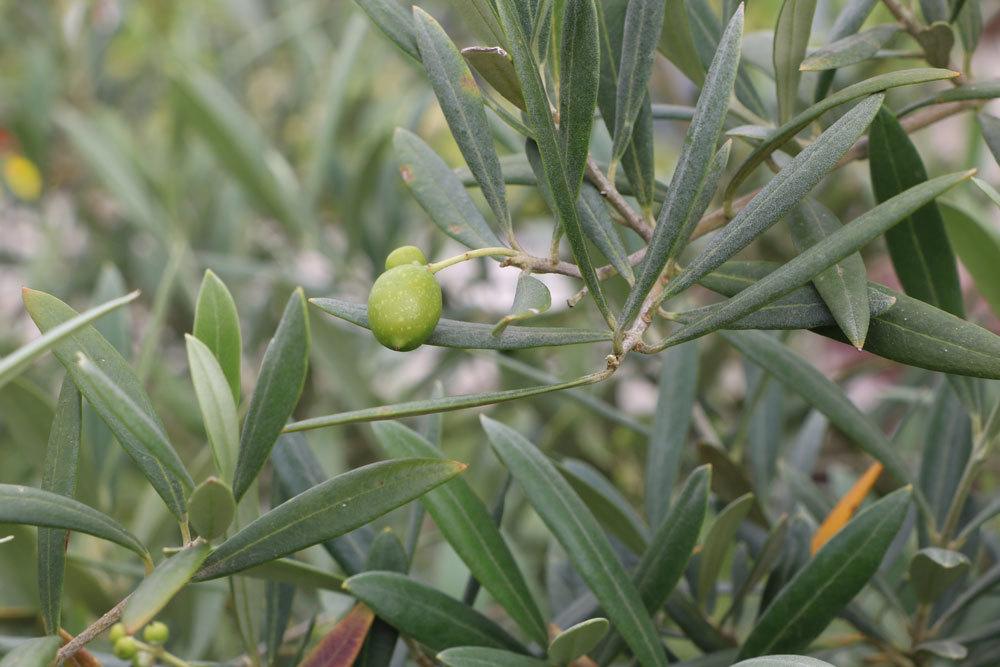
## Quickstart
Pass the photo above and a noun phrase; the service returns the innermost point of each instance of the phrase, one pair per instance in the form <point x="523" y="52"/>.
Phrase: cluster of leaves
<point x="738" y="560"/>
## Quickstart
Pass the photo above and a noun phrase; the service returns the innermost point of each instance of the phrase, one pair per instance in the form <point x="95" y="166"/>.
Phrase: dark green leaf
<point x="40" y="652"/>
<point x="843" y="286"/>
<point x="495" y="65"/>
<point x="804" y="608"/>
<point x="850" y="50"/>
<point x="218" y="411"/>
<point x="466" y="523"/>
<point x="279" y="385"/>
<point x="785" y="190"/>
<point x="294" y="573"/>
<point x="582" y="539"/>
<point x="531" y="298"/>
<point x="791" y="38"/>
<point x="600" y="229"/>
<point x="677" y="42"/>
<point x="440" y="193"/>
<point x="462" y="105"/>
<point x="721" y="536"/>
<point x="472" y="335"/>
<point x="579" y="77"/>
<point x="933" y="570"/>
<point x="212" y="508"/>
<point x="937" y="40"/>
<point x="161" y="585"/>
<point x="217" y="325"/>
<point x="609" y="507"/>
<point x="686" y="200"/>
<point x="918" y="245"/>
<point x="425" y="614"/>
<point x="59" y="475"/>
<point x="34" y="507"/>
<point x="332" y="508"/>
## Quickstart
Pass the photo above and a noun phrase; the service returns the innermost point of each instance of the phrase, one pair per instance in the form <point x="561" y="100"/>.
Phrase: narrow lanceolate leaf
<point x="849" y="21"/>
<point x="514" y="18"/>
<point x="806" y="381"/>
<point x="720" y="537"/>
<point x="118" y="384"/>
<point x="849" y="238"/>
<point x="677" y="393"/>
<point x="341" y="645"/>
<point x="581" y="537"/>
<point x="977" y="245"/>
<point x="426" y="614"/>
<point x="783" y="134"/>
<point x="669" y="551"/>
<point x="784" y="191"/>
<point x="218" y="412"/>
<point x="440" y="192"/>
<point x="918" y="246"/>
<point x="59" y="474"/>
<point x="332" y="508"/>
<point x="473" y="335"/>
<point x="531" y="298"/>
<point x="478" y="656"/>
<point x="295" y="573"/>
<point x="496" y="67"/>
<point x="980" y="90"/>
<point x="15" y="362"/>
<point x="608" y="505"/>
<point x="140" y="434"/>
<point x="462" y="105"/>
<point x="279" y="385"/>
<point x="239" y="146"/>
<point x="600" y="229"/>
<point x="577" y="641"/>
<point x="782" y="661"/>
<point x="161" y="585"/>
<point x="809" y="602"/>
<point x="34" y="507"/>
<point x="849" y="50"/>
<point x="680" y="209"/>
<point x="933" y="570"/>
<point x="579" y="77"/>
<point x="791" y="38"/>
<point x="40" y="652"/>
<point x="435" y="405"/>
<point x="988" y="190"/>
<point x="990" y="127"/>
<point x="643" y="23"/>
<point x="843" y="286"/>
<point x="212" y="508"/>
<point x="466" y="523"/>
<point x="217" y="325"/>
<point x="677" y="42"/>
<point x="394" y="22"/>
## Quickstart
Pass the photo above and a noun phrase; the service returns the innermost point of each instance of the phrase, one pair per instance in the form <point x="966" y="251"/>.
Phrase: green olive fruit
<point x="117" y="632"/>
<point x="407" y="254"/>
<point x="156" y="633"/>
<point x="404" y="306"/>
<point x="125" y="648"/>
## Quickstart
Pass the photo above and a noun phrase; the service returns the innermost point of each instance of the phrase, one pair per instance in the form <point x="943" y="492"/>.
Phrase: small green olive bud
<point x="117" y="632"/>
<point x="125" y="648"/>
<point x="156" y="633"/>
<point x="407" y="254"/>
<point x="404" y="306"/>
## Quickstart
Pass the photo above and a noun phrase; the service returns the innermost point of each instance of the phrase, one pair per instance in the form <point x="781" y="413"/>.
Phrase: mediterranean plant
<point x="794" y="524"/>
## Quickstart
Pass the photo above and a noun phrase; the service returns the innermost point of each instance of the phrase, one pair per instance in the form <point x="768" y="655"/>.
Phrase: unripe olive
<point x="407" y="254"/>
<point x="125" y="648"/>
<point x="156" y="633"/>
<point x="404" y="306"/>
<point x="117" y="632"/>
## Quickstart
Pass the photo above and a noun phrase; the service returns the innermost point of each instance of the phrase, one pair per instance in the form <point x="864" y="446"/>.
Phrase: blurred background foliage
<point x="145" y="141"/>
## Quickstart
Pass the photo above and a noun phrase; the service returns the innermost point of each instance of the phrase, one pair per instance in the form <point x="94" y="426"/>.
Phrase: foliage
<point x="776" y="439"/>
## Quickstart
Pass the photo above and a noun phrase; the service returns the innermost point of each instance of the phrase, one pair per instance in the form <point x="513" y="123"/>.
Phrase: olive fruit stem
<point x="472" y="254"/>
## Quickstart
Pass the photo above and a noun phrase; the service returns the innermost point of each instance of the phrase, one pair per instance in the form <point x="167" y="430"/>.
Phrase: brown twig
<point x="904" y="16"/>
<point x="631" y="218"/>
<point x="96" y="628"/>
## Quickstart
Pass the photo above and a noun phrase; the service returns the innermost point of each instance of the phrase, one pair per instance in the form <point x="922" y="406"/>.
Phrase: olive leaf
<point x="217" y="325"/>
<point x="979" y="90"/>
<point x="495" y="65"/>
<point x="161" y="585"/>
<point x="579" y="72"/>
<point x="38" y="652"/>
<point x="531" y="298"/>
<point x="849" y="21"/>
<point x="850" y="50"/>
<point x="791" y="38"/>
<point x="218" y="411"/>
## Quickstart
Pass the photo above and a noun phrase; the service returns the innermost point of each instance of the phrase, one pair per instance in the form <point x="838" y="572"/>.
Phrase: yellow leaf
<point x="22" y="177"/>
<point x="846" y="507"/>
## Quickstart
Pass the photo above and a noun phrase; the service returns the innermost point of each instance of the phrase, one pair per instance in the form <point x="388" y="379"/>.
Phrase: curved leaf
<point x="850" y="50"/>
<point x="161" y="585"/>
<point x="279" y="385"/>
<point x="332" y="508"/>
<point x="218" y="412"/>
<point x="582" y="539"/>
<point x="462" y="105"/>
<point x="495" y="65"/>
<point x="809" y="602"/>
<point x="531" y="298"/>
<point x="212" y="508"/>
<point x="426" y="614"/>
<point x="577" y="641"/>
<point x="791" y="38"/>
<point x="466" y="523"/>
<point x="477" y="656"/>
<point x="341" y="645"/>
<point x="34" y="507"/>
<point x="641" y="34"/>
<point x="579" y="77"/>
<point x="979" y="90"/>
<point x="217" y="325"/>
